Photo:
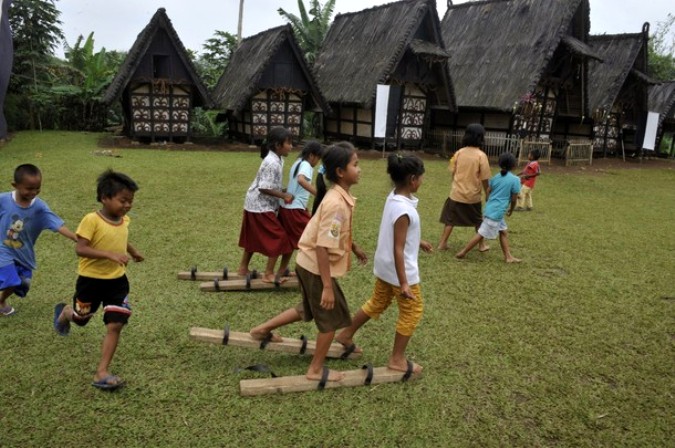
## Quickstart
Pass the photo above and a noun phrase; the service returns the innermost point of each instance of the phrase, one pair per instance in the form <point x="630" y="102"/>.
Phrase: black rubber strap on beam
<point x="257" y="368"/>
<point x="193" y="273"/>
<point x="266" y="340"/>
<point x="324" y="378"/>
<point x="216" y="285"/>
<point x="303" y="348"/>
<point x="369" y="374"/>
<point x="226" y="334"/>
<point x="408" y="372"/>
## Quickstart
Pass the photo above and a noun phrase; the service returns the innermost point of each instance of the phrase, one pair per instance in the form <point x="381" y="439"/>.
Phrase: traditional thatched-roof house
<point x="662" y="100"/>
<point x="157" y="84"/>
<point x="397" y="44"/>
<point x="618" y="90"/>
<point x="267" y="83"/>
<point x="519" y="66"/>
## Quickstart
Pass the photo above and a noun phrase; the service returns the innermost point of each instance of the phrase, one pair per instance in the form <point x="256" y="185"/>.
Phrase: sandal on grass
<point x="110" y="382"/>
<point x="7" y="311"/>
<point x="61" y="329"/>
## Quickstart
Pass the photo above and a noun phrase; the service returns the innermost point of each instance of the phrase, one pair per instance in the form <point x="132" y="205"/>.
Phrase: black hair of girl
<point x="401" y="167"/>
<point x="337" y="156"/>
<point x="277" y="136"/>
<point x="506" y="162"/>
<point x="535" y="154"/>
<point x="310" y="149"/>
<point x="474" y="135"/>
<point x="109" y="183"/>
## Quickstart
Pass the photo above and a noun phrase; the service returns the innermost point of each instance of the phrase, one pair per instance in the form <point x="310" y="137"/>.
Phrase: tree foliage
<point x="310" y="27"/>
<point x="217" y="52"/>
<point x="662" y="50"/>
<point x="36" y="30"/>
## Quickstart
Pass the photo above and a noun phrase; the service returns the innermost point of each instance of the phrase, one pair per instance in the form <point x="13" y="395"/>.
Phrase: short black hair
<point x="278" y="135"/>
<point x="27" y="169"/>
<point x="400" y="167"/>
<point x="474" y="135"/>
<point x="109" y="183"/>
<point x="536" y="153"/>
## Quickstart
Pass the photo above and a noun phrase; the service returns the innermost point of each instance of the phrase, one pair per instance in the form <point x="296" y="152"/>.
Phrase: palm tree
<point x="310" y="31"/>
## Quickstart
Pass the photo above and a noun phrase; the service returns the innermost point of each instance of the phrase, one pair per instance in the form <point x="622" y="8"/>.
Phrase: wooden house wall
<point x="159" y="98"/>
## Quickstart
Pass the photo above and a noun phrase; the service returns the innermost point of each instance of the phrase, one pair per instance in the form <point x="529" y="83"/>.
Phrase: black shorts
<point x="113" y="294"/>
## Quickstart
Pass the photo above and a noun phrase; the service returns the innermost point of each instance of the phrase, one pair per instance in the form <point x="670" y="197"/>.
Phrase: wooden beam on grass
<point x="288" y="345"/>
<point x="290" y="384"/>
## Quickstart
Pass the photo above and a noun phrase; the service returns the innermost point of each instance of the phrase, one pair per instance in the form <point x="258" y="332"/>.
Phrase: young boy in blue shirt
<point x="23" y="216"/>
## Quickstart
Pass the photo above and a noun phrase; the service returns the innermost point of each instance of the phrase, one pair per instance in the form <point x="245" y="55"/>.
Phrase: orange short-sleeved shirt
<point x="470" y="167"/>
<point x="330" y="227"/>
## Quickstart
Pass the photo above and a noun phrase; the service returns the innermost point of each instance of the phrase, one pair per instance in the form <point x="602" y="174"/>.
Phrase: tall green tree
<point x="37" y="32"/>
<point x="662" y="50"/>
<point x="217" y="51"/>
<point x="310" y="27"/>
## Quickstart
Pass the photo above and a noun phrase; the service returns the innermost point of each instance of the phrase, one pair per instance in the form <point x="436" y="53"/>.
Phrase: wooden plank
<point x="204" y="276"/>
<point x="242" y="285"/>
<point x="289" y="384"/>
<point x="288" y="345"/>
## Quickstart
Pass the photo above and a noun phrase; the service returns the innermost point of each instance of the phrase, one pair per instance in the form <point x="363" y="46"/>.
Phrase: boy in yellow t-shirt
<point x="102" y="245"/>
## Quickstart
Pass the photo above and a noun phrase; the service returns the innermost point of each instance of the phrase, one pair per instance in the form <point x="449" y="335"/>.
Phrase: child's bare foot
<point x="260" y="334"/>
<point x="442" y="247"/>
<point x="402" y="366"/>
<point x="513" y="260"/>
<point x="483" y="248"/>
<point x="242" y="271"/>
<point x="333" y="375"/>
<point x="461" y="254"/>
<point x="268" y="278"/>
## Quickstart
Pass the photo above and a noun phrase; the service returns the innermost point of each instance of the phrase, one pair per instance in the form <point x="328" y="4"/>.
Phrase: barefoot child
<point x="23" y="216"/>
<point x="527" y="179"/>
<point x="395" y="266"/>
<point x="102" y="245"/>
<point x="502" y="196"/>
<point x="324" y="255"/>
<point x="295" y="216"/>
<point x="261" y="230"/>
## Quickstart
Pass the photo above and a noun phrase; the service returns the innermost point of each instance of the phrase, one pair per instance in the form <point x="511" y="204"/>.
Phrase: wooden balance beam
<point x="300" y="346"/>
<point x="247" y="284"/>
<point x="353" y="378"/>
<point x="195" y="275"/>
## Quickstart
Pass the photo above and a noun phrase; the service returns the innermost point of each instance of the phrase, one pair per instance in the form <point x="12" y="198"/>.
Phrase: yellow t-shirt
<point x="103" y="235"/>
<point x="330" y="227"/>
<point x="469" y="168"/>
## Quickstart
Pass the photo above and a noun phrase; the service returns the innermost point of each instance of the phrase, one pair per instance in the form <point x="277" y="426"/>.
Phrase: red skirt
<point x="294" y="221"/>
<point x="262" y="233"/>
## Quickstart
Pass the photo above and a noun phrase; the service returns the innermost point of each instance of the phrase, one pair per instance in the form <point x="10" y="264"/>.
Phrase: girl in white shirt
<point x="396" y="267"/>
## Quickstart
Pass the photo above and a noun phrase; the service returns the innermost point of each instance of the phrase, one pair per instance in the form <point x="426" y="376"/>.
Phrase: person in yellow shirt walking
<point x="104" y="251"/>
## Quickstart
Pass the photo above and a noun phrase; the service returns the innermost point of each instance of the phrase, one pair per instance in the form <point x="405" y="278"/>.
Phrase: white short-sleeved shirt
<point x="269" y="177"/>
<point x="300" y="195"/>
<point x="384" y="268"/>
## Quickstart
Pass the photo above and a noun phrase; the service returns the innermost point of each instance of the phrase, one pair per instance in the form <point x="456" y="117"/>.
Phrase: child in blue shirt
<point x="23" y="216"/>
<point x="502" y="197"/>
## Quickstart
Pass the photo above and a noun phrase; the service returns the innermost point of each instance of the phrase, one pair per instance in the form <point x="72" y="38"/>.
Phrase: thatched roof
<point x="363" y="49"/>
<point x="500" y="49"/>
<point x="621" y="58"/>
<point x="159" y="21"/>
<point x="662" y="100"/>
<point x="239" y="82"/>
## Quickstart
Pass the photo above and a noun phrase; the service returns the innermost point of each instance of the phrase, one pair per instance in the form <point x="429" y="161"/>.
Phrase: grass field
<point x="573" y="347"/>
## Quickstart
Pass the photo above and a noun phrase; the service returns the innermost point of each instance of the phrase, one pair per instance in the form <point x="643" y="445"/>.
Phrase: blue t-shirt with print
<point x="501" y="189"/>
<point x="21" y="227"/>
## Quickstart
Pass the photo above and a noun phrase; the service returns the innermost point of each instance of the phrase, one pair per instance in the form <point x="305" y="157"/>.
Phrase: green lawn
<point x="573" y="347"/>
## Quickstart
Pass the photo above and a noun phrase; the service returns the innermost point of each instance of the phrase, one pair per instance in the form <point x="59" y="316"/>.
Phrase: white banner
<point x="650" y="131"/>
<point x="381" y="103"/>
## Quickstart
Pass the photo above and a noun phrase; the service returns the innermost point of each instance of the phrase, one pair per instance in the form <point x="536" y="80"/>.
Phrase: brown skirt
<point x="458" y="214"/>
<point x="262" y="233"/>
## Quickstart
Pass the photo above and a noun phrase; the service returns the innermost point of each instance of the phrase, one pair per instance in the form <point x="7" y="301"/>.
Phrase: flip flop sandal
<point x="7" y="311"/>
<point x="106" y="384"/>
<point x="61" y="329"/>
